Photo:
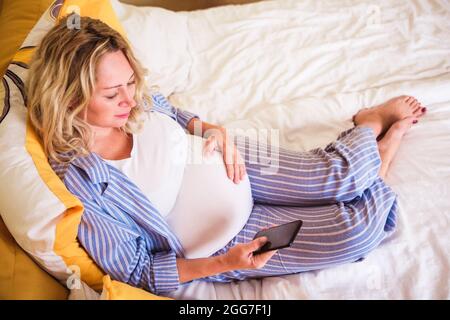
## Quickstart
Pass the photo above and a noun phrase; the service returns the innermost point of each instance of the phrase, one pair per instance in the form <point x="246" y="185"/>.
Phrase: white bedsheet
<point x="304" y="67"/>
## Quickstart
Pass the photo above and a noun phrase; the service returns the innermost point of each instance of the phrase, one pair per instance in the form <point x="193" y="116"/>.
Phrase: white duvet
<point x="304" y="67"/>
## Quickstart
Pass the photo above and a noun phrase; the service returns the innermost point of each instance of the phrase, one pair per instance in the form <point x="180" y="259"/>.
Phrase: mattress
<point x="304" y="68"/>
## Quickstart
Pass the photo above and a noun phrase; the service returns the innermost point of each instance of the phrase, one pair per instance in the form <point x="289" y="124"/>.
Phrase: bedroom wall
<point x="184" y="5"/>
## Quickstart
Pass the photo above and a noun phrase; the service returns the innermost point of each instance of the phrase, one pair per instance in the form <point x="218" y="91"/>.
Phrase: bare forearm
<point x="191" y="269"/>
<point x="199" y="128"/>
<point x="238" y="257"/>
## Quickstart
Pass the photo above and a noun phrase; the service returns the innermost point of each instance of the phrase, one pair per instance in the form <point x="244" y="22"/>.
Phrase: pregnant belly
<point x="210" y="209"/>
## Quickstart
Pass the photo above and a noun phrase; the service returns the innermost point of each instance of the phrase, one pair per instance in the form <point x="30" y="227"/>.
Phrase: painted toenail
<point x="415" y="121"/>
<point x="424" y="109"/>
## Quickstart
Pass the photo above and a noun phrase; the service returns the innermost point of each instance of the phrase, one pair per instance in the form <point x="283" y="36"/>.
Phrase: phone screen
<point x="279" y="237"/>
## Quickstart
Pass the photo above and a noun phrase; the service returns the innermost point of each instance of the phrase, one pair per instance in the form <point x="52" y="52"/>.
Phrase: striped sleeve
<point x="161" y="104"/>
<point x="123" y="254"/>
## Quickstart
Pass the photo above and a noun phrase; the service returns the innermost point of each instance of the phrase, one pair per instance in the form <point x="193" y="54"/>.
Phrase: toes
<point x="420" y="110"/>
<point x="409" y="99"/>
<point x="413" y="102"/>
<point x="404" y="98"/>
<point x="417" y="111"/>
<point x="411" y="120"/>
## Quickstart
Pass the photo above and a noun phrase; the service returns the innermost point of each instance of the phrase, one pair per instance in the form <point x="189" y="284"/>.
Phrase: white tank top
<point x="202" y="206"/>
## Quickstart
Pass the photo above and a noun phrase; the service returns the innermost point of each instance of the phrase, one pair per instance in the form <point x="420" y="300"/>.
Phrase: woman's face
<point x="113" y="96"/>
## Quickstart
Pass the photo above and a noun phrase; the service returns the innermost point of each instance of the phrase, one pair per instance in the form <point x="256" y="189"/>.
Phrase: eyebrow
<point x="118" y="84"/>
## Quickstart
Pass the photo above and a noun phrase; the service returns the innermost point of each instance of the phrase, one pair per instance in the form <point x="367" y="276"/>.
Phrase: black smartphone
<point x="279" y="237"/>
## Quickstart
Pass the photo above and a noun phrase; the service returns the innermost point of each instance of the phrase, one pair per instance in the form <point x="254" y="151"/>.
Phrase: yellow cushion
<point x="99" y="9"/>
<point x="17" y="17"/>
<point x="115" y="290"/>
<point x="20" y="277"/>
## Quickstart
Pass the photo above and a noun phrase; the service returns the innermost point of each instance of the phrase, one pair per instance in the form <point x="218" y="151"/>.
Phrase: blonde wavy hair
<point x="61" y="82"/>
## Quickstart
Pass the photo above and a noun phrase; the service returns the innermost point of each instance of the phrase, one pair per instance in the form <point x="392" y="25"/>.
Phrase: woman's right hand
<point x="237" y="258"/>
<point x="241" y="255"/>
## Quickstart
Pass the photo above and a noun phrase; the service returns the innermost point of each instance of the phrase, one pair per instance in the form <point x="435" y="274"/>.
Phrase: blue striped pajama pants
<point x="346" y="208"/>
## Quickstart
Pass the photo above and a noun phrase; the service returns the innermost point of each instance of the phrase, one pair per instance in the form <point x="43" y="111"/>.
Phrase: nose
<point x="127" y="98"/>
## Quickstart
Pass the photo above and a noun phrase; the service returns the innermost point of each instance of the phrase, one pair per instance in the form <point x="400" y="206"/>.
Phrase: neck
<point x="102" y="133"/>
<point x="102" y="138"/>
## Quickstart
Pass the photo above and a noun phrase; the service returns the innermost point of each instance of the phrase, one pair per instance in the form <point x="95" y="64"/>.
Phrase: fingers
<point x="271" y="226"/>
<point x="242" y="171"/>
<point x="230" y="171"/>
<point x="241" y="163"/>
<point x="237" y="171"/>
<point x="241" y="255"/>
<point x="261" y="259"/>
<point x="210" y="145"/>
<point x="234" y="164"/>
<point x="256" y="244"/>
<point x="228" y="159"/>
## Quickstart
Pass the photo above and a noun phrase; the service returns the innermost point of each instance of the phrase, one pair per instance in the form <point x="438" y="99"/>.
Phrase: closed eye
<point x="115" y="95"/>
<point x="112" y="97"/>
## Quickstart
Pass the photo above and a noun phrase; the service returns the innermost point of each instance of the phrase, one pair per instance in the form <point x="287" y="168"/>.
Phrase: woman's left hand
<point x="234" y="164"/>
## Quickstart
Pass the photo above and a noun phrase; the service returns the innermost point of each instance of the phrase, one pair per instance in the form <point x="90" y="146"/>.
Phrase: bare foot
<point x="383" y="116"/>
<point x="388" y="146"/>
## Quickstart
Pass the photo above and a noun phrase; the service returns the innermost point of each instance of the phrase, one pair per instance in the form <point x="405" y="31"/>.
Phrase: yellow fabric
<point x="99" y="9"/>
<point x="23" y="55"/>
<point x="115" y="290"/>
<point x="17" y="18"/>
<point x="20" y="277"/>
<point x="66" y="243"/>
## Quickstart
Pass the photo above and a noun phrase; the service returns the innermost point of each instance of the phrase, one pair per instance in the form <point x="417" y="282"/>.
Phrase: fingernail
<point x="424" y="109"/>
<point x="415" y="121"/>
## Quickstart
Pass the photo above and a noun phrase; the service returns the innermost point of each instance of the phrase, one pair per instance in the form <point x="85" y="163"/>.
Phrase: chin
<point x="120" y="123"/>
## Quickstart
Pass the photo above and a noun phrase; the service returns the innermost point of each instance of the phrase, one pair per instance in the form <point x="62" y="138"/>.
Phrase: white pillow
<point x="160" y="41"/>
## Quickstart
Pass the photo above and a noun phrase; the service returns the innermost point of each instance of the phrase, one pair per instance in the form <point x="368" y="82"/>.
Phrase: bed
<point x="304" y="68"/>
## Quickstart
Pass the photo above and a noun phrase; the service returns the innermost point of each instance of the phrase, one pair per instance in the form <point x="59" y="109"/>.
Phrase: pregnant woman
<point x="164" y="207"/>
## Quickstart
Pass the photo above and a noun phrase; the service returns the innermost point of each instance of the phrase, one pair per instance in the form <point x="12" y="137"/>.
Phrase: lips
<point x="125" y="115"/>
